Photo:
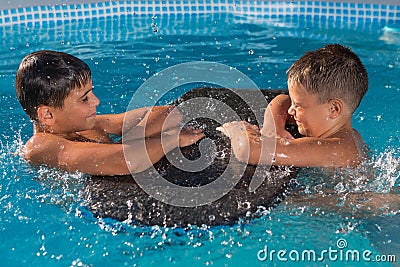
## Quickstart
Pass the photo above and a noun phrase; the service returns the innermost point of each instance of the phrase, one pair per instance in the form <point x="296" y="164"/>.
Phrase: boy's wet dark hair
<point x="47" y="77"/>
<point x="333" y="71"/>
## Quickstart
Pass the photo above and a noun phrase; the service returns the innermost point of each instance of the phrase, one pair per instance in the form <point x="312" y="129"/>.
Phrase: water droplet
<point x="251" y="52"/>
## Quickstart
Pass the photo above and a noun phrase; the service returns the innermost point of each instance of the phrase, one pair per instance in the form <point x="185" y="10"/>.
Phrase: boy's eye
<point x="85" y="99"/>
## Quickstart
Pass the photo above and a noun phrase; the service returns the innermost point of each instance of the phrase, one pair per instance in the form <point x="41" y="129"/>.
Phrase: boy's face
<point x="78" y="112"/>
<point x="310" y="115"/>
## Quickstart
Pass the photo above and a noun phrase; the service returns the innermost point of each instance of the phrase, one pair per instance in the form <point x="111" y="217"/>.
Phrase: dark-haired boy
<point x="55" y="90"/>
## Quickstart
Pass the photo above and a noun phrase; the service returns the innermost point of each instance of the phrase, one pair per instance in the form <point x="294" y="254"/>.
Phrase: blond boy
<point x="325" y="87"/>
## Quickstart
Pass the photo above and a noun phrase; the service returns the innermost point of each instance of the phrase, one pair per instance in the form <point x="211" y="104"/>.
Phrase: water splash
<point x="387" y="166"/>
<point x="54" y="187"/>
<point x="378" y="175"/>
<point x="61" y="188"/>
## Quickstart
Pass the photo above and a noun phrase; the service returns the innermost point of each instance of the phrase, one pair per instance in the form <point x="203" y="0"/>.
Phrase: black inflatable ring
<point x="122" y="199"/>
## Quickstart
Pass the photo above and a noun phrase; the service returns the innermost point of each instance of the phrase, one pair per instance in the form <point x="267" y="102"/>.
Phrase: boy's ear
<point x="335" y="108"/>
<point x="45" y="116"/>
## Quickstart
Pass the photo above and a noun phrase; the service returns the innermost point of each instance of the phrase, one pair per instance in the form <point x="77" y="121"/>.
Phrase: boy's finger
<point x="255" y="127"/>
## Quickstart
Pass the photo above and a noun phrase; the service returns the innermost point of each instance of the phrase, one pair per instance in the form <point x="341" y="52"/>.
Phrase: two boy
<point x="325" y="87"/>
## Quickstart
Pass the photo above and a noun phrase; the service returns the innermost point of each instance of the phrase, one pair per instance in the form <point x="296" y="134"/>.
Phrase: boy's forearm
<point x="141" y="122"/>
<point x="155" y="121"/>
<point x="94" y="159"/>
<point x="256" y="150"/>
<point x="249" y="148"/>
<point x="113" y="123"/>
<point x="142" y="154"/>
<point x="116" y="159"/>
<point x="161" y="119"/>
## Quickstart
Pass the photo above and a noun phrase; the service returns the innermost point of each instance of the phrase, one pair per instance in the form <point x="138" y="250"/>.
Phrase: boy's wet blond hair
<point x="333" y="71"/>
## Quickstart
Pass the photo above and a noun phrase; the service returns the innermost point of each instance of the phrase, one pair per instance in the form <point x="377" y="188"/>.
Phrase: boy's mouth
<point x="92" y="115"/>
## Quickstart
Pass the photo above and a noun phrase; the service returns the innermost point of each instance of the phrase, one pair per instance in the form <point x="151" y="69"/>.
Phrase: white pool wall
<point x="50" y="11"/>
<point x="25" y="3"/>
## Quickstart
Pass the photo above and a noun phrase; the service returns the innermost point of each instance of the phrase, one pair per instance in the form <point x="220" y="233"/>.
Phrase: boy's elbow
<point x="137" y="166"/>
<point x="136" y="169"/>
<point x="27" y="156"/>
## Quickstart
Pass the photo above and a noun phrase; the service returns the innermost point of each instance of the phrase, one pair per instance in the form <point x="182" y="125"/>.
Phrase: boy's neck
<point x="40" y="128"/>
<point x="342" y="126"/>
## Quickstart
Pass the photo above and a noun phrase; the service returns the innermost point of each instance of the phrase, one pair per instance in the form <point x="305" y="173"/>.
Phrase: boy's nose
<point x="95" y="101"/>
<point x="291" y="110"/>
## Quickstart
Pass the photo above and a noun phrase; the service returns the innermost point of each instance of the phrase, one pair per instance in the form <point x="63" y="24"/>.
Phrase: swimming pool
<point x="44" y="220"/>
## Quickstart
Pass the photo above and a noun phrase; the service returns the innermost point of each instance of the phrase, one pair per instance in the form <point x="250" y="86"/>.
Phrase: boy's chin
<point x="90" y="122"/>
<point x="87" y="127"/>
<point x="301" y="130"/>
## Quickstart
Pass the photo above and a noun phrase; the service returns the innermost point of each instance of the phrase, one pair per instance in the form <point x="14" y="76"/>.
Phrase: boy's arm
<point x="315" y="152"/>
<point x="104" y="159"/>
<point x="141" y="122"/>
<point x="276" y="116"/>
<point x="249" y="146"/>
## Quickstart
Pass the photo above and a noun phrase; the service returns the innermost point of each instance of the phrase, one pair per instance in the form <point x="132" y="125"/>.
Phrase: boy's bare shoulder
<point x="41" y="140"/>
<point x="45" y="148"/>
<point x="362" y="147"/>
<point x="41" y="147"/>
<point x="351" y="148"/>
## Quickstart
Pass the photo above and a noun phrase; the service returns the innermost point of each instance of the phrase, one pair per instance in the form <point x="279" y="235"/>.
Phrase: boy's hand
<point x="235" y="128"/>
<point x="243" y="136"/>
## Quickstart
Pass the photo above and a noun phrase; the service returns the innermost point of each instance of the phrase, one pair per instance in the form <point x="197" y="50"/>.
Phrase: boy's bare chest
<point x="90" y="136"/>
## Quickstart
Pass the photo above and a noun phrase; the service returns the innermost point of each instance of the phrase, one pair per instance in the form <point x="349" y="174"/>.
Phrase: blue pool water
<point x="44" y="221"/>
